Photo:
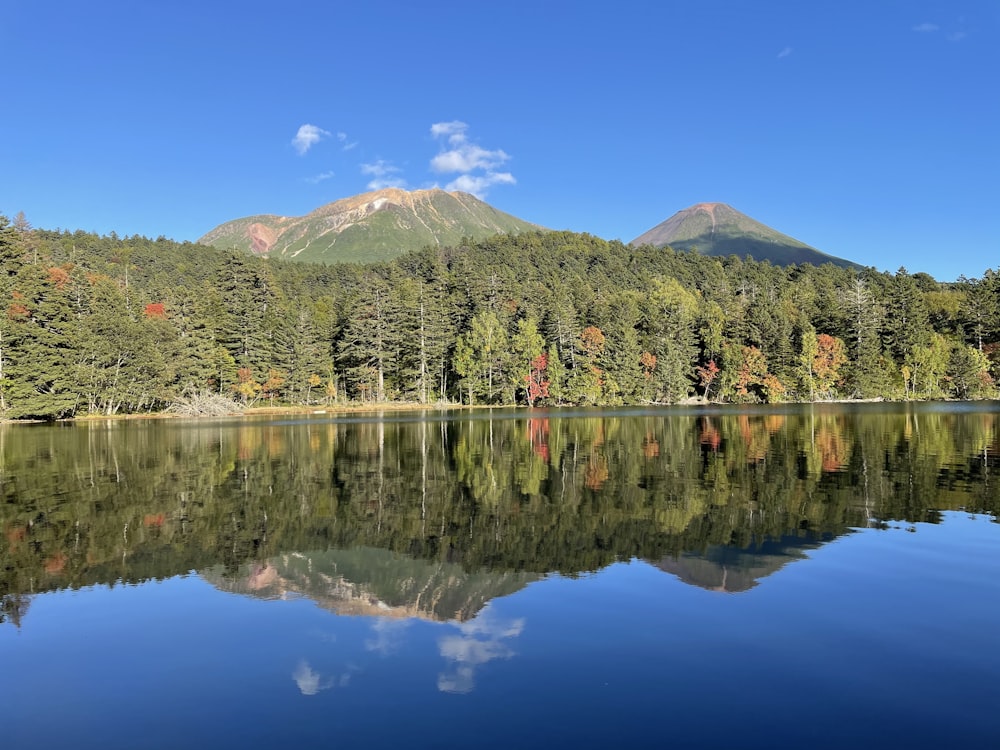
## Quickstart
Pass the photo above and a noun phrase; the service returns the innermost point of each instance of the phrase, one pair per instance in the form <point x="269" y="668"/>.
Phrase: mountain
<point x="717" y="229"/>
<point x="369" y="227"/>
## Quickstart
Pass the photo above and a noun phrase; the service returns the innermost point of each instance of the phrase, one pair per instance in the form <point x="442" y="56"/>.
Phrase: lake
<point x="806" y="576"/>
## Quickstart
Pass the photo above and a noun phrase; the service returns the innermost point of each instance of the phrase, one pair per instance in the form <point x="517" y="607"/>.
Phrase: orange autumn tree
<point x="822" y="358"/>
<point x="751" y="370"/>
<point x="587" y="382"/>
<point x="272" y="387"/>
<point x="246" y="387"/>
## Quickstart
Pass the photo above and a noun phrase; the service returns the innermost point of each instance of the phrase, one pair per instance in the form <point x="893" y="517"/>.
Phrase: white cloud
<point x="476" y="166"/>
<point x="467" y="157"/>
<point x="956" y="36"/>
<point x="454" y="130"/>
<point x="785" y="52"/>
<point x="384" y="175"/>
<point x="307" y="137"/>
<point x="479" y="184"/>
<point x="925" y="28"/>
<point x="316" y="179"/>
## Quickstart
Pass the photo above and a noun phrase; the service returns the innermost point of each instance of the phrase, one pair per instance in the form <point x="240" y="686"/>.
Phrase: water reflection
<point x="736" y="569"/>
<point x="432" y="518"/>
<point x="311" y="682"/>
<point x="478" y="641"/>
<point x="387" y="636"/>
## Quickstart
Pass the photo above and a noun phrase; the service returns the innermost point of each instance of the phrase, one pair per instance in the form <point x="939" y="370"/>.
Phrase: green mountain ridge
<point x="370" y="227"/>
<point x="716" y="229"/>
<point x="384" y="224"/>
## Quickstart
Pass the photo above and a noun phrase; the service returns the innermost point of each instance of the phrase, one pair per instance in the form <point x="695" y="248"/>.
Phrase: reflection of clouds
<point x="310" y="681"/>
<point x="388" y="636"/>
<point x="459" y="680"/>
<point x="479" y="641"/>
<point x="466" y="649"/>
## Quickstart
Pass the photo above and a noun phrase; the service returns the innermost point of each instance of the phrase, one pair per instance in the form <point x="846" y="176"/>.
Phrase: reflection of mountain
<point x="440" y="516"/>
<point x="736" y="569"/>
<point x="370" y="581"/>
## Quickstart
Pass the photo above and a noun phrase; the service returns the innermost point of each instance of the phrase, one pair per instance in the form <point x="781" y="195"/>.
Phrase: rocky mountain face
<point x="370" y="227"/>
<point x="719" y="230"/>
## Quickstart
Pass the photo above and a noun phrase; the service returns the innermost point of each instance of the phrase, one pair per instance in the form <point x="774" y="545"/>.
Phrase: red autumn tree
<point x="707" y="375"/>
<point x="538" y="384"/>
<point x="155" y="310"/>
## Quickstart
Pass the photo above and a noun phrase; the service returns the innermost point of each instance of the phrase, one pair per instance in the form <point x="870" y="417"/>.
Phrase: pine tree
<point x="43" y="348"/>
<point x="11" y="261"/>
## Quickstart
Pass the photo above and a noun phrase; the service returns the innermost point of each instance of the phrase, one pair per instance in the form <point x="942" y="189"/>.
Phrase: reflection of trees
<point x="130" y="501"/>
<point x="13" y="608"/>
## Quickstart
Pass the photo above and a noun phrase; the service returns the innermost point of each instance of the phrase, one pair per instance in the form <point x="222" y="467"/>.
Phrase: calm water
<point x="808" y="577"/>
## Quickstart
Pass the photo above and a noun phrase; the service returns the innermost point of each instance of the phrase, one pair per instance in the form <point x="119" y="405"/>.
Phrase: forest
<point x="106" y="325"/>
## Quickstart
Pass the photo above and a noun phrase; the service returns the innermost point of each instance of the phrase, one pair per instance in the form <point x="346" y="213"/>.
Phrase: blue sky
<point x="866" y="129"/>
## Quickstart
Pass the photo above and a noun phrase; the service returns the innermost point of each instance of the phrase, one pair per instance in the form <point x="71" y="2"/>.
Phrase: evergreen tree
<point x="671" y="313"/>
<point x="481" y="357"/>
<point x="906" y="330"/>
<point x="11" y="261"/>
<point x="364" y="347"/>
<point x="44" y="345"/>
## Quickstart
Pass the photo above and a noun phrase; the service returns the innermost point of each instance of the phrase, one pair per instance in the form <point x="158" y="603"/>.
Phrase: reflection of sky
<point x="311" y="682"/>
<point x="479" y="641"/>
<point x="388" y="636"/>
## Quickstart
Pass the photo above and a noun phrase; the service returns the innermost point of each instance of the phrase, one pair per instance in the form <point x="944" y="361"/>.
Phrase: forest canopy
<point x="108" y="325"/>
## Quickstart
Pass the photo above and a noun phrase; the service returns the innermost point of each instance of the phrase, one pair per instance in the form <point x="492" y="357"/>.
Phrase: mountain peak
<point x="373" y="226"/>
<point x="718" y="229"/>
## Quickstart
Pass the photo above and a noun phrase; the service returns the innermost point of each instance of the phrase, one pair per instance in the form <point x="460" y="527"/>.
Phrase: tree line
<point x="108" y="325"/>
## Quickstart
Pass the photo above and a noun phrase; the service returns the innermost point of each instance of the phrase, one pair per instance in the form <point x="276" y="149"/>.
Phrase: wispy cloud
<point x="933" y="28"/>
<point x="345" y="144"/>
<point x="454" y="131"/>
<point x="307" y="137"/>
<point x="476" y="166"/>
<point x="384" y="174"/>
<point x="785" y="52"/>
<point x="316" y="179"/>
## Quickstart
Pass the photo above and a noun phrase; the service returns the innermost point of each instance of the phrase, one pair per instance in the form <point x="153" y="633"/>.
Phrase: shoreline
<point x="347" y="409"/>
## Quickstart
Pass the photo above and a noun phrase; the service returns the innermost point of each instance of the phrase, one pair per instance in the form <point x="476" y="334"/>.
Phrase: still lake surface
<point x="817" y="576"/>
